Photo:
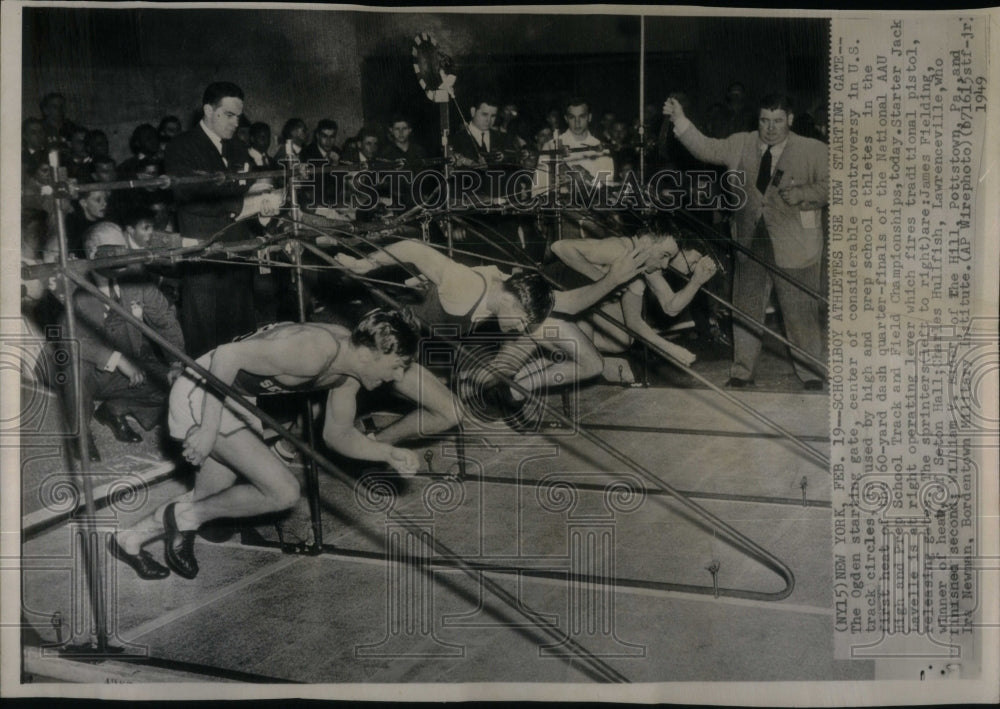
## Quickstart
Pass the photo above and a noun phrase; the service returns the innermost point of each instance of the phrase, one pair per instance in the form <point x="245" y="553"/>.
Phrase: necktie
<point x="482" y="141"/>
<point x="764" y="174"/>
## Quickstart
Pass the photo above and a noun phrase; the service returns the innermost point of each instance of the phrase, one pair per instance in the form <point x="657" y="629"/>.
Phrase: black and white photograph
<point x="555" y="352"/>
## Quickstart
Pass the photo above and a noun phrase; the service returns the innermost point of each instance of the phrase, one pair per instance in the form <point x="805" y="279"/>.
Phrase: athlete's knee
<point x="442" y="419"/>
<point x="285" y="493"/>
<point x="589" y="365"/>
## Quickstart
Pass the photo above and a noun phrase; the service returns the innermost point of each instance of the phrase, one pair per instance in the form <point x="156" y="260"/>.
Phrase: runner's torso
<point x="250" y="384"/>
<point x="432" y="315"/>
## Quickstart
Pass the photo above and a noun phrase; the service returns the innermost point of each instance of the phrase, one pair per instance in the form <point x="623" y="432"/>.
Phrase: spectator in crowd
<point x="619" y="142"/>
<point x="608" y="119"/>
<point x="554" y="120"/>
<point x="594" y="167"/>
<point x="153" y="198"/>
<point x="400" y="152"/>
<point x="169" y="128"/>
<point x="144" y="143"/>
<point x="738" y="115"/>
<point x="119" y="366"/>
<point x="362" y="157"/>
<point x="260" y="145"/>
<point x="33" y="141"/>
<point x="510" y="123"/>
<point x="323" y="148"/>
<point x="400" y="149"/>
<point x="76" y="159"/>
<point x="243" y="131"/>
<point x="295" y="131"/>
<point x="37" y="192"/>
<point x="96" y="143"/>
<point x="58" y="127"/>
<point x="88" y="209"/>
<point x="141" y="233"/>
<point x="542" y="136"/>
<point x="480" y="144"/>
<point x="103" y="169"/>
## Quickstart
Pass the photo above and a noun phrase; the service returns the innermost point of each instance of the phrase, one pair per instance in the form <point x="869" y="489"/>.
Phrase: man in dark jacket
<point x="216" y="300"/>
<point x="119" y="365"/>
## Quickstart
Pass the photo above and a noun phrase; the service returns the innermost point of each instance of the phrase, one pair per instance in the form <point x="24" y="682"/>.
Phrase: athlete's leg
<point x="270" y="486"/>
<point x="437" y="409"/>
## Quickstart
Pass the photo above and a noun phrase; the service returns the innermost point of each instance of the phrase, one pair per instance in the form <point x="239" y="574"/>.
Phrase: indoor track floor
<point x="571" y="568"/>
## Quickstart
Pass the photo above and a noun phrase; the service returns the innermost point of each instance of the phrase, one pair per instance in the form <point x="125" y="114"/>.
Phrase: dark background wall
<point x="119" y="68"/>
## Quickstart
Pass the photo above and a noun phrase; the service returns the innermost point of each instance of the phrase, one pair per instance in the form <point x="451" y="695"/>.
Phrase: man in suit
<point x="780" y="221"/>
<point x="216" y="300"/>
<point x="324" y="145"/>
<point x="477" y="147"/>
<point x="482" y="144"/>
<point x="260" y="144"/>
<point x="119" y="366"/>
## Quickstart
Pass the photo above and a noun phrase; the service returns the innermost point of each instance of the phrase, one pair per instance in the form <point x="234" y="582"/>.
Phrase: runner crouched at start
<point x="237" y="474"/>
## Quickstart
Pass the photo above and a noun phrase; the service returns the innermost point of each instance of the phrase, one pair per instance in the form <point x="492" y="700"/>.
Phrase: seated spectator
<point x="619" y="142"/>
<point x="34" y="228"/>
<point x="76" y="159"/>
<point x="96" y="143"/>
<point x="37" y="192"/>
<point x="401" y="153"/>
<point x="32" y="141"/>
<point x="119" y="366"/>
<point x="102" y="169"/>
<point x="400" y="149"/>
<point x="88" y="209"/>
<point x="260" y="144"/>
<point x="58" y="128"/>
<point x="554" y="120"/>
<point x="41" y="299"/>
<point x="139" y="227"/>
<point x="363" y="155"/>
<point x="153" y="198"/>
<point x="608" y="119"/>
<point x="294" y="130"/>
<point x="144" y="143"/>
<point x="324" y="145"/>
<point x="243" y="130"/>
<point x="511" y="124"/>
<point x="169" y="127"/>
<point x="542" y="136"/>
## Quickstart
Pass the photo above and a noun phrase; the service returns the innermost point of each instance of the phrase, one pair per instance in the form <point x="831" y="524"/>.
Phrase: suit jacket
<point x="267" y="160"/>
<point x="102" y="333"/>
<point x="390" y="154"/>
<point x="311" y="153"/>
<point x="352" y="158"/>
<point x="206" y="208"/>
<point x="796" y="234"/>
<point x="463" y="144"/>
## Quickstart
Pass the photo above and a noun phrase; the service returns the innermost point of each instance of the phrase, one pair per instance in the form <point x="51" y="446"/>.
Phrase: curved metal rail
<point x="732" y="536"/>
<point x="589" y="663"/>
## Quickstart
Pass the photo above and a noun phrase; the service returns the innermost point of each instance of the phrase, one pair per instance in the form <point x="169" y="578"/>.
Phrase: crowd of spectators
<point x="499" y="132"/>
